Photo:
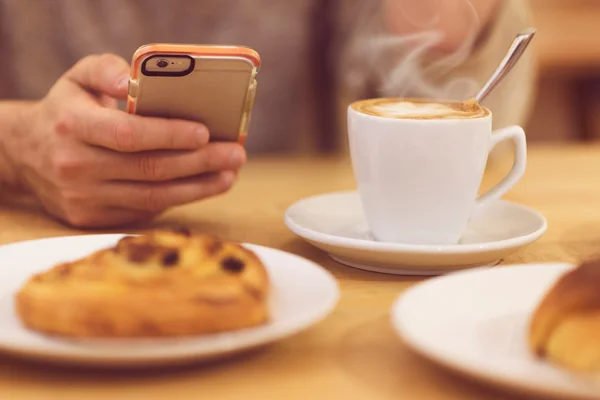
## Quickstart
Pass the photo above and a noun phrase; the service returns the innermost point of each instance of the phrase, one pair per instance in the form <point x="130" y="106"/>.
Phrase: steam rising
<point x="402" y="65"/>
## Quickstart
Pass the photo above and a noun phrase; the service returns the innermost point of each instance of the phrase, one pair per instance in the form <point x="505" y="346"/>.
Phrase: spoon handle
<point x="517" y="48"/>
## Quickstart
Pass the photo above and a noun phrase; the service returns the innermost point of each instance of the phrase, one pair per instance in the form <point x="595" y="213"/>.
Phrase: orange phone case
<point x="150" y="50"/>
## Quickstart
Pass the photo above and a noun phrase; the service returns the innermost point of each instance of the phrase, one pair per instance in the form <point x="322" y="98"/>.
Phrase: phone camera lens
<point x="162" y="63"/>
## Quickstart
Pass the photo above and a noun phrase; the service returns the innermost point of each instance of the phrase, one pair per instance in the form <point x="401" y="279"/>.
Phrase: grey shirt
<point x="316" y="55"/>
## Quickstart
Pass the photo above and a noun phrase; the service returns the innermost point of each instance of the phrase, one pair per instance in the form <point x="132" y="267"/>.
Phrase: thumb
<point x="106" y="74"/>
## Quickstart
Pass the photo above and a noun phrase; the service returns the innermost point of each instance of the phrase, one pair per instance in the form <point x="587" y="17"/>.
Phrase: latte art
<point x="420" y="109"/>
<point x="407" y="109"/>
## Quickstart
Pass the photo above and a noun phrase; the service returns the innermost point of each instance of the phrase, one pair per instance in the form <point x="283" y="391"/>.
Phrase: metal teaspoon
<point x="515" y="52"/>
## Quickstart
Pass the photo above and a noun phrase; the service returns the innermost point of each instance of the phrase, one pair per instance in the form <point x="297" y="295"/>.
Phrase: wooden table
<point x="354" y="353"/>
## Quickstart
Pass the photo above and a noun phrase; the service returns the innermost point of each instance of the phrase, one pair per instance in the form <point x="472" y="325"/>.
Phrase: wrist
<point x="15" y="117"/>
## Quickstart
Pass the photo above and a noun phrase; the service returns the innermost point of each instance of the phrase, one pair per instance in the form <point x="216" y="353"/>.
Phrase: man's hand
<point x="92" y="165"/>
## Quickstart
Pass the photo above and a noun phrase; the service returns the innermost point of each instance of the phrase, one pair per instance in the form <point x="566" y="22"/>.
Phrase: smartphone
<point x="212" y="84"/>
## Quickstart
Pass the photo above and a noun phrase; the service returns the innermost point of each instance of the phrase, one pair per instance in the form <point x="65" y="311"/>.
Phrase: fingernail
<point x="122" y="83"/>
<point x="228" y="177"/>
<point x="236" y="158"/>
<point x="202" y="135"/>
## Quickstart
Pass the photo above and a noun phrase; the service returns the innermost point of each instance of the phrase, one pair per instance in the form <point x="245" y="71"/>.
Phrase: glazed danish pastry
<point x="156" y="285"/>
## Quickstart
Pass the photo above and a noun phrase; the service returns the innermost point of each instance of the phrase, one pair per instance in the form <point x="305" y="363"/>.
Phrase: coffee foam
<point x="420" y="109"/>
<point x="407" y="109"/>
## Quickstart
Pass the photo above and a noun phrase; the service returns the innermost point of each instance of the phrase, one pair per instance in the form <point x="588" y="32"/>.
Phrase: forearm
<point x="13" y="121"/>
<point x="455" y="19"/>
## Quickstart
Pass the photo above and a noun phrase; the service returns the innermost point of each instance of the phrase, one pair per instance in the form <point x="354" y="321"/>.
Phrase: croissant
<point x="565" y="326"/>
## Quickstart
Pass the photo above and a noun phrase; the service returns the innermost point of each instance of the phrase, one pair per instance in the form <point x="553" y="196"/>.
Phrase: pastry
<point x="156" y="285"/>
<point x="565" y="327"/>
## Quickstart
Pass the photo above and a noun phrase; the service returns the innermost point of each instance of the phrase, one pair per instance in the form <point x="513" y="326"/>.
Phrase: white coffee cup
<point x="418" y="178"/>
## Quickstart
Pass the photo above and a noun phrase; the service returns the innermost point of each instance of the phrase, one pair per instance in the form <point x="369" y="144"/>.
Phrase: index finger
<point x="120" y="131"/>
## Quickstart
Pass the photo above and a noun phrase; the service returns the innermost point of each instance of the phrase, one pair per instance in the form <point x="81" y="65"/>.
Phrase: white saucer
<point x="303" y="294"/>
<point x="475" y="322"/>
<point x="336" y="224"/>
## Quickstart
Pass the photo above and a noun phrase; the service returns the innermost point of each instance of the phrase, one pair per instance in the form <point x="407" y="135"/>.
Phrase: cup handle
<point x="517" y="135"/>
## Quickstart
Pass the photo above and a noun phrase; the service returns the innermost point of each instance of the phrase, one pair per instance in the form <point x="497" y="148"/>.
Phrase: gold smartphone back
<point x="215" y="89"/>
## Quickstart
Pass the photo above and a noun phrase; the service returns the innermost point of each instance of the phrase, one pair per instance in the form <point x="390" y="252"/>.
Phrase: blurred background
<point x="567" y="100"/>
<point x="56" y="33"/>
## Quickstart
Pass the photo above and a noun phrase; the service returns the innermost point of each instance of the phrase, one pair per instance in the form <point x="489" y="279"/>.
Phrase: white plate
<point x="335" y="223"/>
<point x="303" y="294"/>
<point x="475" y="322"/>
